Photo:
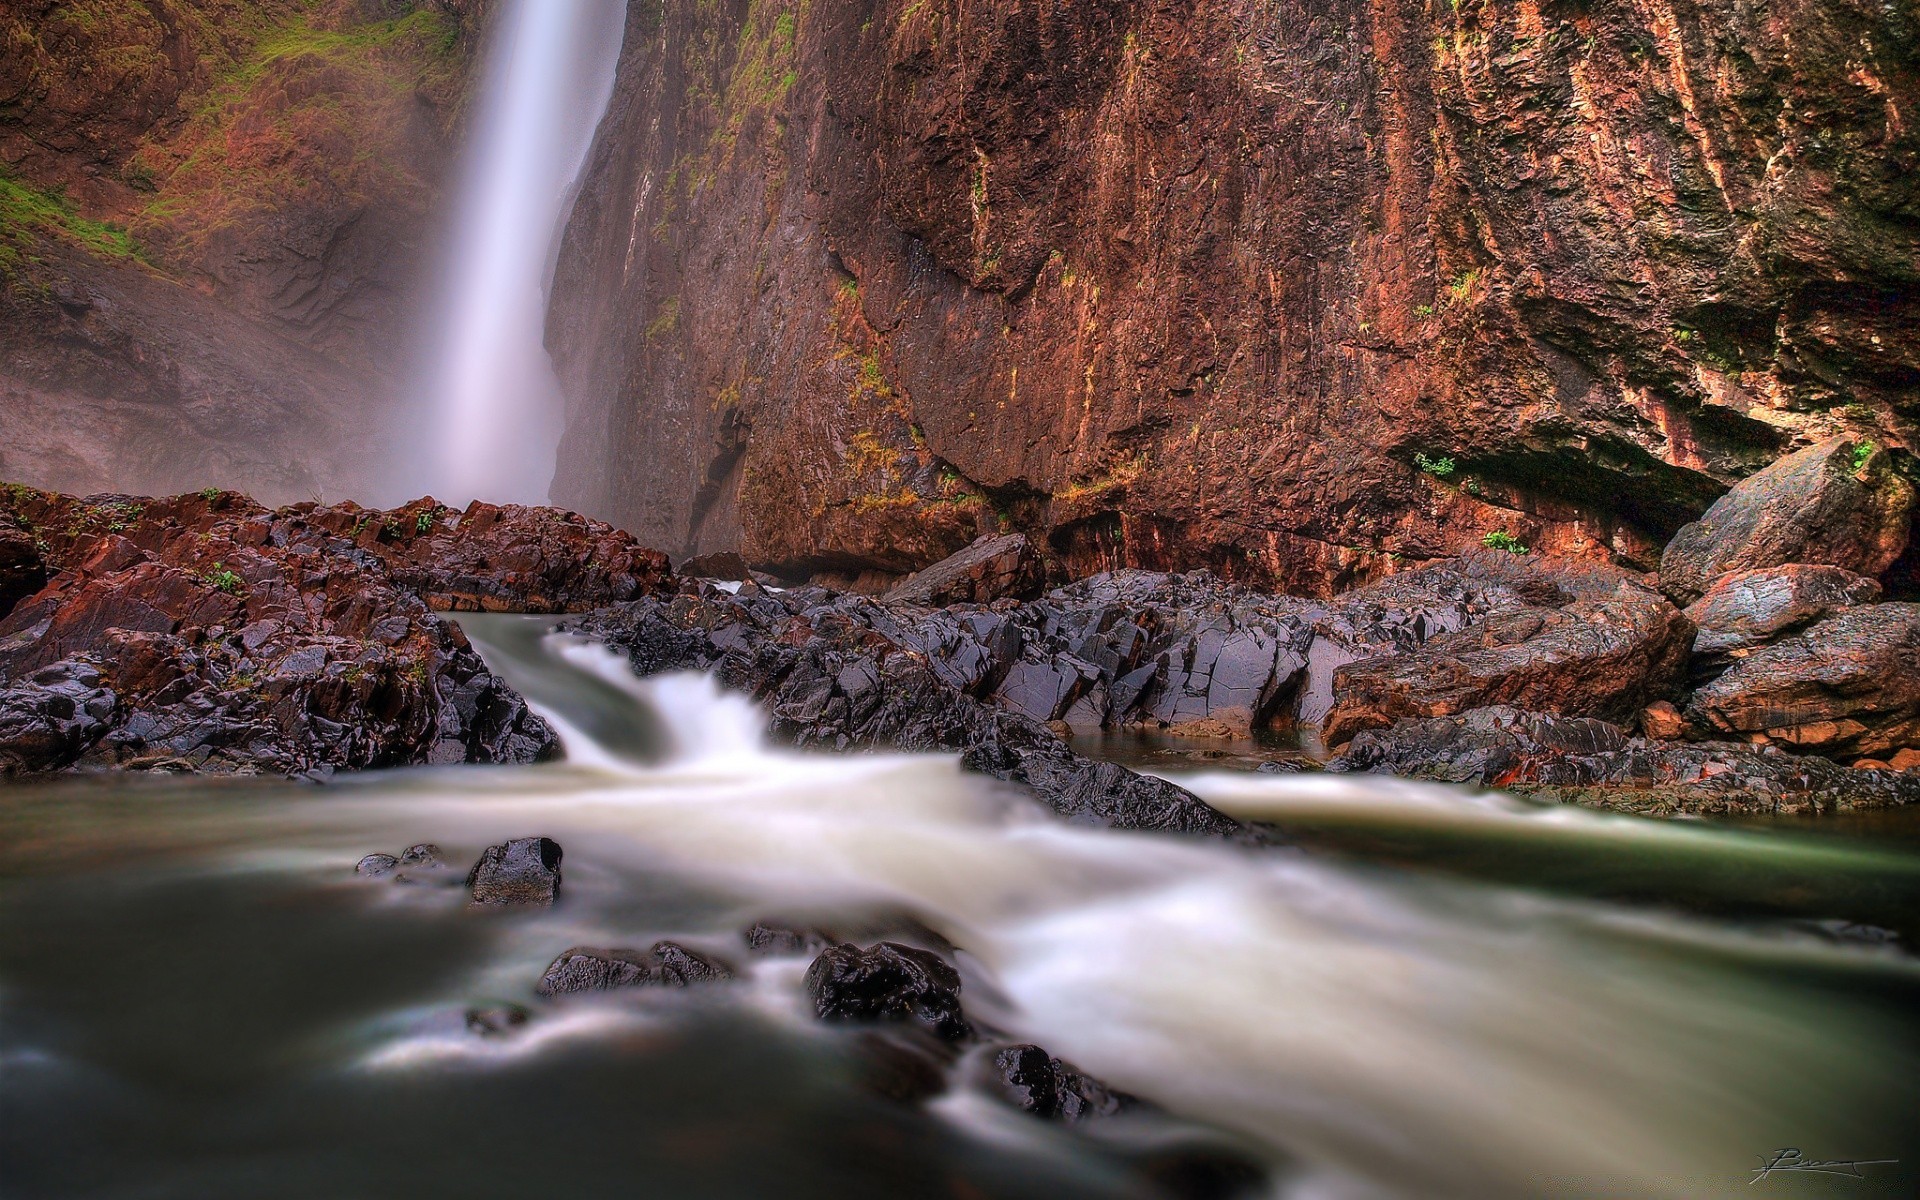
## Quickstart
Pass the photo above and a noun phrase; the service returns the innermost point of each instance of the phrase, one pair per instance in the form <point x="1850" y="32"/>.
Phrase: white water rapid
<point x="186" y="959"/>
<point x="492" y="407"/>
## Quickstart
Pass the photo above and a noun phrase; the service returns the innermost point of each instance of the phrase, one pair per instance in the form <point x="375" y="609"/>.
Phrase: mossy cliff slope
<point x="212" y="216"/>
<point x="1304" y="292"/>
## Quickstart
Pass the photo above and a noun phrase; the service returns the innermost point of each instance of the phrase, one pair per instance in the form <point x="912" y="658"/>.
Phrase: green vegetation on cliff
<point x="27" y="212"/>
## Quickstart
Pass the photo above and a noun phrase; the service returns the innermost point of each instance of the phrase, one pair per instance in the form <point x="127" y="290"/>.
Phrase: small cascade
<point x="490" y="416"/>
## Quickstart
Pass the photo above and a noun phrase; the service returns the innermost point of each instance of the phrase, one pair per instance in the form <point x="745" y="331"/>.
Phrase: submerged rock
<point x="667" y="964"/>
<point x="1813" y="507"/>
<point x="888" y="982"/>
<point x="523" y="872"/>
<point x="496" y="1020"/>
<point x="1847" y="686"/>
<point x="420" y="863"/>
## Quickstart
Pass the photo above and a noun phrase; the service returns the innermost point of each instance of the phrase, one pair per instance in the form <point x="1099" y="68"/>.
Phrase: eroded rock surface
<point x="1749" y="609"/>
<point x="1576" y="639"/>
<point x="1036" y="1082"/>
<point x="1840" y="503"/>
<point x="845" y="673"/>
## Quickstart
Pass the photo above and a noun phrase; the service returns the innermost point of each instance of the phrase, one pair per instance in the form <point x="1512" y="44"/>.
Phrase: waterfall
<point x="490" y="417"/>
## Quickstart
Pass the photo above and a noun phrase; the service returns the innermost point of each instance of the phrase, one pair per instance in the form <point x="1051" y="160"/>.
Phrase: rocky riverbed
<point x="205" y="632"/>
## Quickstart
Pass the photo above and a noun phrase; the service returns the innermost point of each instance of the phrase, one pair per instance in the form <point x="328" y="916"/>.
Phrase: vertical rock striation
<point x="1296" y="292"/>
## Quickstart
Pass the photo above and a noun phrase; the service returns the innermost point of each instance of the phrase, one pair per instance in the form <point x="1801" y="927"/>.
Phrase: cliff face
<point x="1301" y="291"/>
<point x="212" y="233"/>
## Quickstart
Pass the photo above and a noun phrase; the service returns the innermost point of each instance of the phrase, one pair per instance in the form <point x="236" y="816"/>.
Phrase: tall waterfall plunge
<point x="490" y="406"/>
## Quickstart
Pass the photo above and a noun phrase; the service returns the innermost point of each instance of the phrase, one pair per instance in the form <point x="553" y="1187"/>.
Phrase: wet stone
<point x="524" y="872"/>
<point x="667" y="964"/>
<point x="888" y="982"/>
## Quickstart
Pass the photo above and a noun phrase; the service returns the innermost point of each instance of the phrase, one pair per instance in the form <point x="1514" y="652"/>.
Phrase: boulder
<point x="1749" y="609"/>
<point x="1579" y="639"/>
<point x="667" y="964"/>
<point x="1034" y="1081"/>
<point x="888" y="982"/>
<point x="1593" y="763"/>
<point x="1848" y="686"/>
<point x="992" y="568"/>
<point x="1812" y="507"/>
<point x="522" y="872"/>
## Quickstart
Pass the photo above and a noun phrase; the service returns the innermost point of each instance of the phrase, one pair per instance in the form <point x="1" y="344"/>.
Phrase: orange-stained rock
<point x="1847" y="687"/>
<point x="1662" y="720"/>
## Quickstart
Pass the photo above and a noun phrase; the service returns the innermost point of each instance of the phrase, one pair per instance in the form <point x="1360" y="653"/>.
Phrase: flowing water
<point x="494" y="418"/>
<point x="1440" y="995"/>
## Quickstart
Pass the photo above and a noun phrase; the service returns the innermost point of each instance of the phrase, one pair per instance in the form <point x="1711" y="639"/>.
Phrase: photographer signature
<point x="1790" y="1159"/>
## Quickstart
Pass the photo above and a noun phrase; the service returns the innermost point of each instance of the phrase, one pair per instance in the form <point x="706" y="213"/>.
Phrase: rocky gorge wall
<point x="1304" y="292"/>
<point x="213" y="221"/>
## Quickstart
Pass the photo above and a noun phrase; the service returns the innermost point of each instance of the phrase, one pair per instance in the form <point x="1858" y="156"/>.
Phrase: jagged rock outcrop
<point x="1841" y="503"/>
<point x="211" y="633"/>
<point x="1846" y="687"/>
<point x="1036" y="1082"/>
<point x="1591" y="762"/>
<point x="524" y="872"/>
<point x="846" y="673"/>
<point x="1302" y="293"/>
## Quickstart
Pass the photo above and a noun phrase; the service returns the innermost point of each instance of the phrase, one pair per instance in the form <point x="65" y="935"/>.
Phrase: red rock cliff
<point x="1302" y="291"/>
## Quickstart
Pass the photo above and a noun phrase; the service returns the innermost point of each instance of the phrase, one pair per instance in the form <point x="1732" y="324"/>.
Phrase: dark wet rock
<point x="1487" y="746"/>
<point x="238" y="639"/>
<point x="667" y="964"/>
<point x="496" y="1020"/>
<point x="888" y="982"/>
<point x="1202" y="1172"/>
<point x="905" y="1070"/>
<point x="525" y="871"/>
<point x="1750" y="609"/>
<point x="48" y="719"/>
<point x="1592" y="763"/>
<point x="1583" y="640"/>
<point x="843" y="672"/>
<point x="1810" y="507"/>
<point x="992" y="568"/>
<point x="1034" y="1081"/>
<point x="1848" y="686"/>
